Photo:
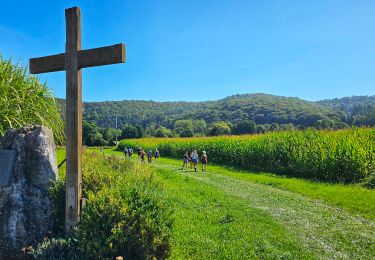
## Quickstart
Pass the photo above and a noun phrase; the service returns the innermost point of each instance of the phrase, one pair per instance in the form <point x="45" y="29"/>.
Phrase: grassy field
<point x="229" y="213"/>
<point x="337" y="156"/>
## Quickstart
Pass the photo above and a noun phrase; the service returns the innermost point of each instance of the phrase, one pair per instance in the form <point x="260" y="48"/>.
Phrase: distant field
<point x="335" y="156"/>
<point x="229" y="213"/>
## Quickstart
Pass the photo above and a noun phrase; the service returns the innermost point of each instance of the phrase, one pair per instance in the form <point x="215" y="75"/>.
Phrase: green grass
<point x="229" y="213"/>
<point x="356" y="199"/>
<point x="346" y="156"/>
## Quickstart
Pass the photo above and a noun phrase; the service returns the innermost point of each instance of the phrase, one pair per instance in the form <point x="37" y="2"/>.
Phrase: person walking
<point x="185" y="160"/>
<point x="156" y="155"/>
<point x="194" y="159"/>
<point x="190" y="159"/>
<point x="204" y="161"/>
<point x="130" y="152"/>
<point x="142" y="154"/>
<point x="139" y="151"/>
<point x="126" y="152"/>
<point x="149" y="156"/>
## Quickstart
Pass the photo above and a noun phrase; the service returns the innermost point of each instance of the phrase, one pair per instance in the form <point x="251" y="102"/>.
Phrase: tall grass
<point x="25" y="101"/>
<point x="337" y="156"/>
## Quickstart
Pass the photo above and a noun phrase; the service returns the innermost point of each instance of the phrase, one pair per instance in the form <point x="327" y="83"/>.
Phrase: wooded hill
<point x="261" y="108"/>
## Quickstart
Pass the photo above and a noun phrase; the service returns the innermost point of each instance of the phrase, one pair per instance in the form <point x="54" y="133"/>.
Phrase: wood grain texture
<point x="102" y="56"/>
<point x="73" y="118"/>
<point x="47" y="64"/>
<point x="73" y="60"/>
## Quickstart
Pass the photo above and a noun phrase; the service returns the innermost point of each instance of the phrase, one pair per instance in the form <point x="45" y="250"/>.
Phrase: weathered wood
<point x="74" y="118"/>
<point x="101" y="56"/>
<point x="47" y="64"/>
<point x="73" y="60"/>
<point x="86" y="58"/>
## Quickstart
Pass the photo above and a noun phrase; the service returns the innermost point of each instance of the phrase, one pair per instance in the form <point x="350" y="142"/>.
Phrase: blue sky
<point x="205" y="49"/>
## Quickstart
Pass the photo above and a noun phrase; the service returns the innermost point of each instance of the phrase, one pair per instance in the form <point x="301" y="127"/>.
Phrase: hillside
<point x="261" y="108"/>
<point x="348" y="104"/>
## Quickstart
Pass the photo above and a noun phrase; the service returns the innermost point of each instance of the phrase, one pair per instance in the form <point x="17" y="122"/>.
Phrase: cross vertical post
<point x="73" y="60"/>
<point x="74" y="121"/>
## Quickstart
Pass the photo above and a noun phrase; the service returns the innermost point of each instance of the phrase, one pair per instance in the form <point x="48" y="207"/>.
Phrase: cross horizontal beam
<point x="86" y="58"/>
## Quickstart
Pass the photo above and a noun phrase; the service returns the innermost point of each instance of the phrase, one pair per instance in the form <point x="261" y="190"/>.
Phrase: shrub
<point x="57" y="249"/>
<point x="369" y="182"/>
<point x="125" y="213"/>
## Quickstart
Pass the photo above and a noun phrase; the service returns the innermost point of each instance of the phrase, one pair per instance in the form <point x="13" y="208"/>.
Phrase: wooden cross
<point x="73" y="60"/>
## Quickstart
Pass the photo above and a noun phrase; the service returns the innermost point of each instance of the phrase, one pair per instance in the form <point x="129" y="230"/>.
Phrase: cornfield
<point x="25" y="101"/>
<point x="336" y="156"/>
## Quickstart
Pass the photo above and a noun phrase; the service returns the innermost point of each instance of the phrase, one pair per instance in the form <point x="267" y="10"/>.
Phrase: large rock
<point x="25" y="205"/>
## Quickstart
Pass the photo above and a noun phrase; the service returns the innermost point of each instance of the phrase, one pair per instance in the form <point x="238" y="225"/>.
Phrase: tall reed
<point x="26" y="101"/>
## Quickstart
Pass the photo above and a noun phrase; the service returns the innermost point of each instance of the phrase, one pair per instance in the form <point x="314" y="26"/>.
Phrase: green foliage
<point x="110" y="134"/>
<point x="125" y="213"/>
<point x="261" y="108"/>
<point x="244" y="127"/>
<point x="25" y="101"/>
<point x="163" y="132"/>
<point x="184" y="128"/>
<point x="337" y="156"/>
<point x="60" y="249"/>
<point x="91" y="135"/>
<point x="57" y="194"/>
<point x="130" y="131"/>
<point x="219" y="128"/>
<point x="96" y="136"/>
<point x="369" y="181"/>
<point x="199" y="127"/>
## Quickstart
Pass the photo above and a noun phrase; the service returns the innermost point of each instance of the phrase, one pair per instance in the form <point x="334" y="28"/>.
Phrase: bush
<point x="57" y="249"/>
<point x="369" y="182"/>
<point x="125" y="213"/>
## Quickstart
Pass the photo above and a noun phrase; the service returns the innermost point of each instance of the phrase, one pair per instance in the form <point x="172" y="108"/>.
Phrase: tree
<point x="163" y="132"/>
<point x="274" y="127"/>
<point x="110" y="134"/>
<point x="260" y="129"/>
<point x="140" y="131"/>
<point x="219" y="128"/>
<point x="244" y="127"/>
<point x="129" y="132"/>
<point x="91" y="135"/>
<point x="324" y="124"/>
<point x="184" y="128"/>
<point x="199" y="126"/>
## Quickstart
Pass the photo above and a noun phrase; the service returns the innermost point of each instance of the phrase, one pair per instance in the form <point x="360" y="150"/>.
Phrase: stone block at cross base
<point x="25" y="204"/>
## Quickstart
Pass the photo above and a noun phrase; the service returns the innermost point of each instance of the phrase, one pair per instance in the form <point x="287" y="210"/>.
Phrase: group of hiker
<point x="193" y="158"/>
<point x="128" y="153"/>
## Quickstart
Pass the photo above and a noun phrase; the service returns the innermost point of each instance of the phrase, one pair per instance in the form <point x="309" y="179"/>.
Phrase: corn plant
<point x="338" y="156"/>
<point x="25" y="101"/>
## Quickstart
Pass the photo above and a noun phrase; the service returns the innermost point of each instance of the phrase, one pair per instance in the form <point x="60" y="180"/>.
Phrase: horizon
<point x="186" y="51"/>
<point x="213" y="100"/>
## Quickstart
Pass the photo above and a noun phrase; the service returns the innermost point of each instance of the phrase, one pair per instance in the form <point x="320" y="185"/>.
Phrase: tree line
<point x="238" y="114"/>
